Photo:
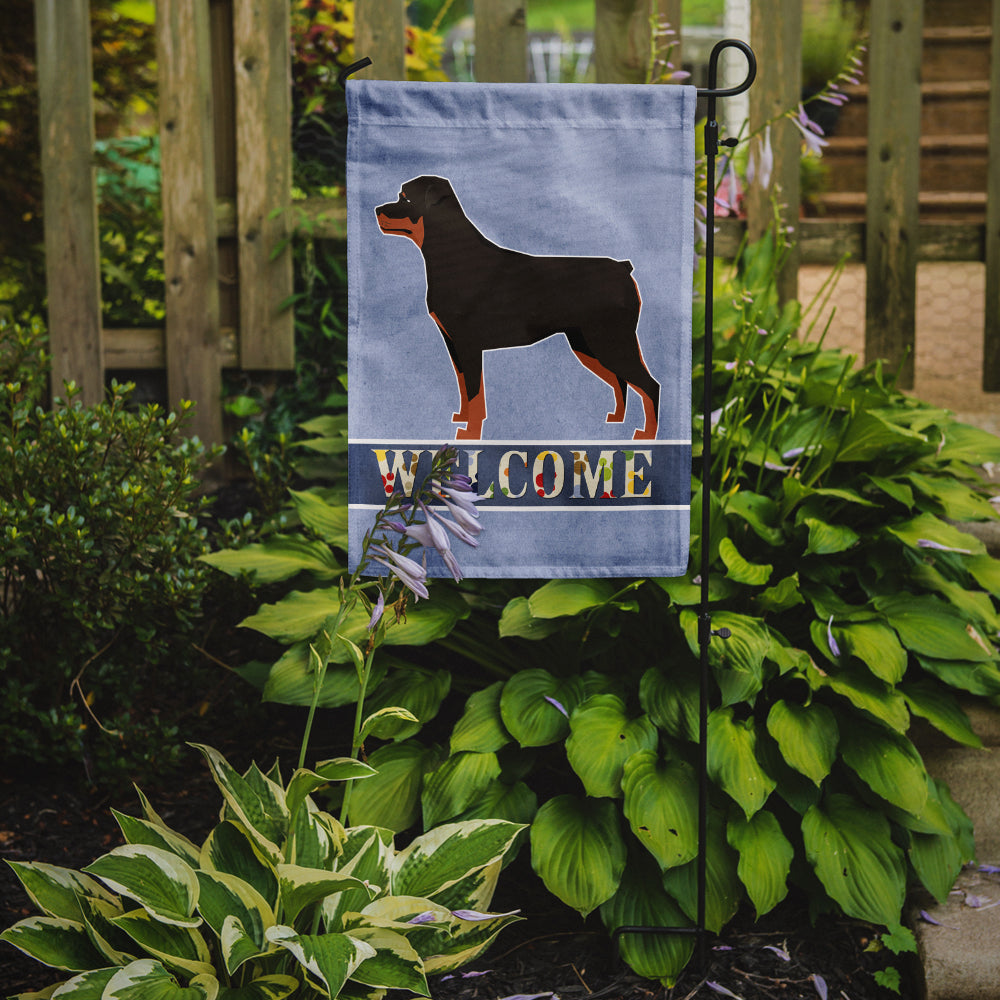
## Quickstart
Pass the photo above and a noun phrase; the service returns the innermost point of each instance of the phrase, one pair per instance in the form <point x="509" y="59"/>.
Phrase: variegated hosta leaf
<point x="391" y="799"/>
<point x="456" y="784"/>
<point x="466" y="941"/>
<point x="441" y="857"/>
<point x="807" y="736"/>
<point x="578" y="851"/>
<point x="661" y="799"/>
<point x="481" y="727"/>
<point x="177" y="947"/>
<point x="602" y="737"/>
<point x="765" y="858"/>
<point x="476" y="890"/>
<point x="56" y="891"/>
<point x="642" y="902"/>
<point x="86" y="986"/>
<point x="367" y="853"/>
<point x="888" y="763"/>
<point x="274" y="987"/>
<point x="149" y="980"/>
<point x="732" y="760"/>
<point x="300" y="887"/>
<point x="304" y="782"/>
<point x="230" y="849"/>
<point x="54" y="941"/>
<point x="723" y="889"/>
<point x="850" y="847"/>
<point x="141" y="831"/>
<point x="160" y="882"/>
<point x="98" y="915"/>
<point x="256" y="801"/>
<point x="395" y="964"/>
<point x="535" y="706"/>
<point x="315" y="838"/>
<point x="329" y="959"/>
<point x="225" y="897"/>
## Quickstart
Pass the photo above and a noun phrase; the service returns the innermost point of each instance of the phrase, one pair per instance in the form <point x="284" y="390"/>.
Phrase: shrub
<point x="854" y="604"/>
<point x="280" y="899"/>
<point x="99" y="539"/>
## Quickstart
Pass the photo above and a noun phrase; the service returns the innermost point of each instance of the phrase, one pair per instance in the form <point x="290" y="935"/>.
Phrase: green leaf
<point x="807" y="736"/>
<point x="671" y="699"/>
<point x="559" y="598"/>
<point x="292" y="680"/>
<point x="327" y="520"/>
<point x="147" y="979"/>
<point x="515" y="803"/>
<point x="850" y="848"/>
<point x="932" y="628"/>
<point x="395" y="964"/>
<point x="640" y="901"/>
<point x="765" y="858"/>
<point x="723" y="889"/>
<point x="417" y="690"/>
<point x="602" y="738"/>
<point x="385" y="723"/>
<point x="941" y="709"/>
<point x="391" y="798"/>
<point x="517" y="620"/>
<point x="163" y="884"/>
<point x="54" y="941"/>
<point x="828" y="539"/>
<point x="330" y="959"/>
<point x="578" y="851"/>
<point x="56" y="891"/>
<point x="751" y="574"/>
<point x="86" y="986"/>
<point x="876" y="646"/>
<point x="738" y="662"/>
<point x="956" y="500"/>
<point x="866" y="692"/>
<point x="783" y="595"/>
<point x="279" y="558"/>
<point x="661" y="798"/>
<point x="965" y="443"/>
<point x="275" y="987"/>
<point x="481" y="727"/>
<point x="683" y="591"/>
<point x="141" y="831"/>
<point x="758" y="511"/>
<point x="927" y="527"/>
<point x="937" y="860"/>
<point x="888" y="763"/>
<point x="304" y="782"/>
<point x="224" y="897"/>
<point x="976" y="678"/>
<point x="456" y="784"/>
<point x="732" y="760"/>
<point x="986" y="571"/>
<point x="527" y="711"/>
<point x="869" y="436"/>
<point x="440" y="858"/>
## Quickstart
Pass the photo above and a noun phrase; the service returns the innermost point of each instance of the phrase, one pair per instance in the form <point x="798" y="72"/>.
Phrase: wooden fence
<point x="226" y="161"/>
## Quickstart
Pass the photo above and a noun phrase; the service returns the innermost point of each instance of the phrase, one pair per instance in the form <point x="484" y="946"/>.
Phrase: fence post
<point x="380" y="34"/>
<point x="621" y="40"/>
<point x="892" y="215"/>
<point x="190" y="251"/>
<point x="501" y="41"/>
<point x="262" y="61"/>
<point x="991" y="333"/>
<point x="72" y="256"/>
<point x="776" y="34"/>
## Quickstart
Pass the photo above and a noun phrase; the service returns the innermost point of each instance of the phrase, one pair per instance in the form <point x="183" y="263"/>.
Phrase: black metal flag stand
<point x="705" y="631"/>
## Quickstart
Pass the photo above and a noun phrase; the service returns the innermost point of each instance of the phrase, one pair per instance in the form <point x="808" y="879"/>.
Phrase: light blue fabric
<point x="548" y="170"/>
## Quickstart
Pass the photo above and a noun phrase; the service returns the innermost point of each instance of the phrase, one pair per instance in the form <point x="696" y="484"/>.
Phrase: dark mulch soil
<point x="551" y="951"/>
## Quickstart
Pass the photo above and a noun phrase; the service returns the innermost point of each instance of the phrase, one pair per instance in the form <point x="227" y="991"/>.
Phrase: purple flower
<point x="834" y="648"/>
<point x="761" y="163"/>
<point x="719" y="988"/>
<point x="927" y="543"/>
<point x="811" y="132"/>
<point x="475" y="915"/>
<point x="820" y="983"/>
<point x="410" y="573"/>
<point x="558" y="705"/>
<point x="377" y="612"/>
<point x="427" y="917"/>
<point x="780" y="952"/>
<point x="462" y="533"/>
<point x="459" y="497"/>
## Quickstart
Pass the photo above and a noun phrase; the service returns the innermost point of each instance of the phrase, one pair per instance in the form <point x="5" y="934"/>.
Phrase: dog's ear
<point x="438" y="190"/>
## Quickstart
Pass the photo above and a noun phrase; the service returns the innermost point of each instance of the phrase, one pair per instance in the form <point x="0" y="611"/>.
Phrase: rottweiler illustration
<point x="484" y="297"/>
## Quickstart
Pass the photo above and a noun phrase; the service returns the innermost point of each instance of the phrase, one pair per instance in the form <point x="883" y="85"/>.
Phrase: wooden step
<point x="945" y="104"/>
<point x="947" y="162"/>
<point x="957" y="206"/>
<point x="956" y="53"/>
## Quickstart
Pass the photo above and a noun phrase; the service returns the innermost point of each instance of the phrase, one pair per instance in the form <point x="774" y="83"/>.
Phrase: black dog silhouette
<point x="483" y="297"/>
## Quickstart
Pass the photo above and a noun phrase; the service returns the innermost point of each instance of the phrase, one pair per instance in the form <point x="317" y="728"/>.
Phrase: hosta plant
<point x="279" y="900"/>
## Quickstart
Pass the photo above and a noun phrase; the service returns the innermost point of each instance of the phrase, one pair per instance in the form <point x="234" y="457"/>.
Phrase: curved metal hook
<point x="713" y="69"/>
<point x="353" y="68"/>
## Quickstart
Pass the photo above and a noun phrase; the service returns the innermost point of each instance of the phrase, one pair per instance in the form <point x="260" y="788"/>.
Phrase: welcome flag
<point x="520" y="274"/>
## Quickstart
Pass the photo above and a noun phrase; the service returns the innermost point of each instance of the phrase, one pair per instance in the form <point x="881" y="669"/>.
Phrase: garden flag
<point x="520" y="261"/>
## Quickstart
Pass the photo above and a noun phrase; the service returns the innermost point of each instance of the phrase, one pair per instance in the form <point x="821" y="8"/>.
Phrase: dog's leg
<point x="463" y="411"/>
<point x="650" y="408"/>
<point x="473" y="400"/>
